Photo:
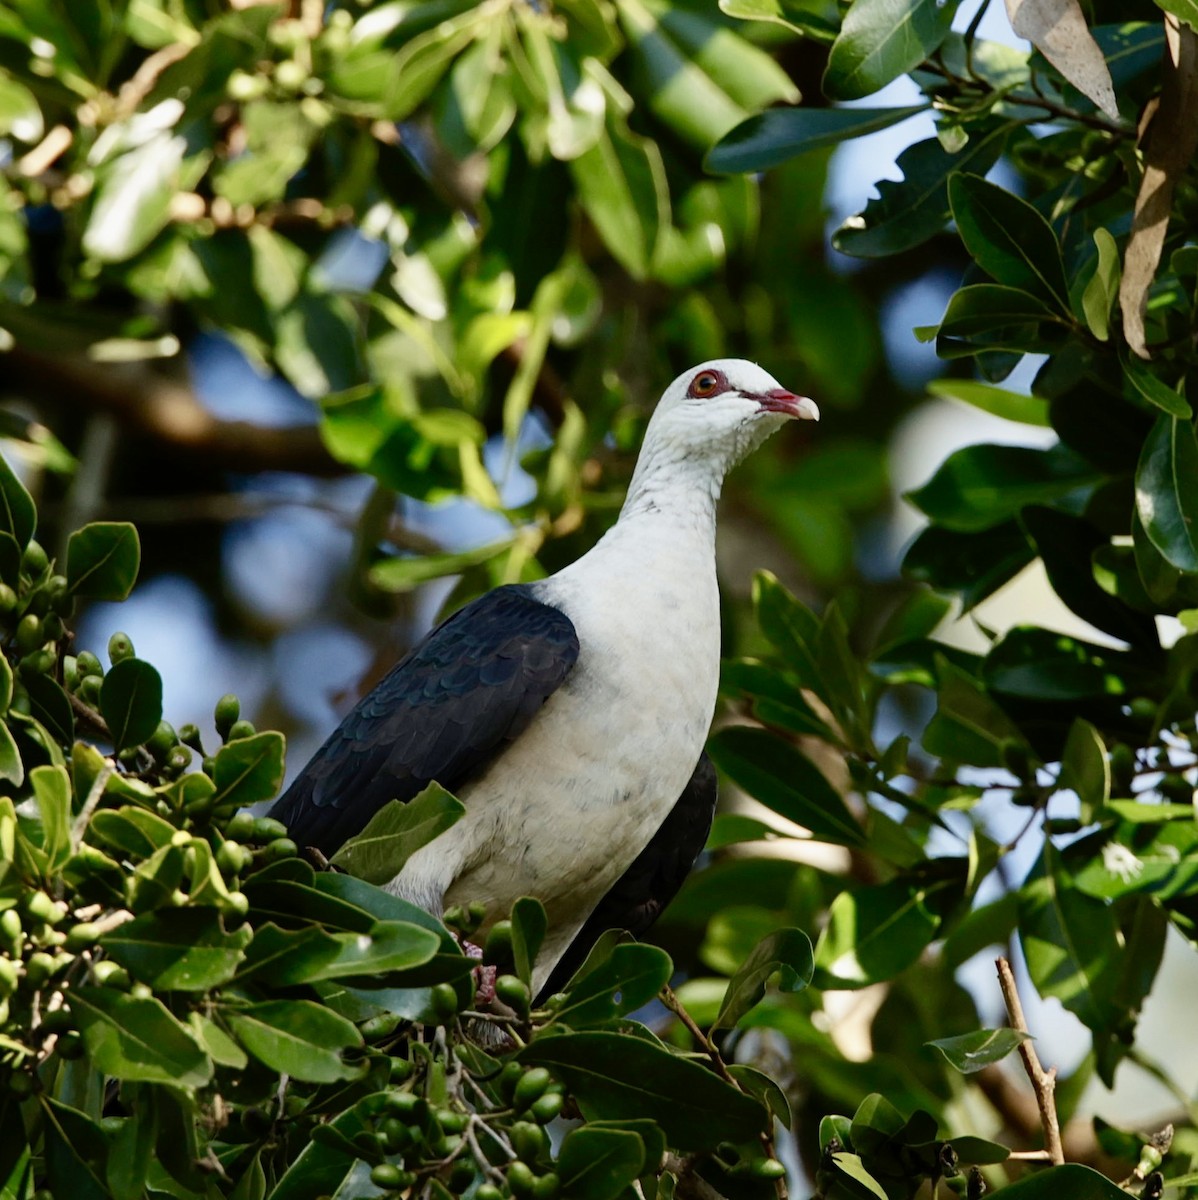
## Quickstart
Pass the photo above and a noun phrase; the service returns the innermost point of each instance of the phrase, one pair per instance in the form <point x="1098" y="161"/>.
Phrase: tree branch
<point x="1043" y="1082"/>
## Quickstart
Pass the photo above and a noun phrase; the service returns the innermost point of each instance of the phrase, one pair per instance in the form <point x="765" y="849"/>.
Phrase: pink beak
<point x="779" y="400"/>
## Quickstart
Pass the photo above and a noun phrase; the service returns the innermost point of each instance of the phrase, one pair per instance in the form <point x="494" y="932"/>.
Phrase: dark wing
<point x="458" y="698"/>
<point x="641" y="894"/>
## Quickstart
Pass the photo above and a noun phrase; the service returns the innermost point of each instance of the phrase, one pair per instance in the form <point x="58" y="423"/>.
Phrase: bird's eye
<point x="706" y="383"/>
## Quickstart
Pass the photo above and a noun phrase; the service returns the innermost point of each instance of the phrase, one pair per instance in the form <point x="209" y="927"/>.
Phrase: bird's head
<point x="725" y="408"/>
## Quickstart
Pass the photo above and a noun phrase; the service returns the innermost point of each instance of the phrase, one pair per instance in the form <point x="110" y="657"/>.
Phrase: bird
<point x="569" y="714"/>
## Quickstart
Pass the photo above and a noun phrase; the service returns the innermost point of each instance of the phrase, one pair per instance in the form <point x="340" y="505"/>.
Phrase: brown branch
<point x="1043" y="1082"/>
<point x="165" y="409"/>
<point x="691" y="1185"/>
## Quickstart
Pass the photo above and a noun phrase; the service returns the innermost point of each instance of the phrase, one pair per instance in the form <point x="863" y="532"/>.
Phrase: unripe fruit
<point x="487" y="1191"/>
<point x="405" y="1105"/>
<point x="236" y="905"/>
<point x="83" y="935"/>
<point x="12" y="932"/>
<point x="514" y="992"/>
<point x="531" y="1087"/>
<point x="529" y="1141"/>
<point x="452" y="1122"/>
<point x="69" y="1045"/>
<point x="178" y="760"/>
<point x="88" y="664"/>
<point x="189" y="735"/>
<point x="290" y="76"/>
<point x="59" y="592"/>
<point x="141" y="991"/>
<point x="52" y="627"/>
<point x="240" y="828"/>
<point x="227" y="711"/>
<point x="243" y="86"/>
<point x="8" y="978"/>
<point x="34" y="560"/>
<point x="266" y="829"/>
<point x="162" y="741"/>
<point x="767" y="1168"/>
<point x="29" y="633"/>
<point x="70" y="672"/>
<point x="232" y="858"/>
<point x="547" y="1107"/>
<point x="282" y="847"/>
<point x="508" y="1078"/>
<point x="40" y="907"/>
<point x="547" y="1187"/>
<point x="8" y="599"/>
<point x="497" y="950"/>
<point x="397" y="1135"/>
<point x="241" y="729"/>
<point x="520" y="1178"/>
<point x="89" y="689"/>
<point x="401" y="1069"/>
<point x="39" y="967"/>
<point x="112" y="975"/>
<point x="445" y="1002"/>
<point x="119" y="648"/>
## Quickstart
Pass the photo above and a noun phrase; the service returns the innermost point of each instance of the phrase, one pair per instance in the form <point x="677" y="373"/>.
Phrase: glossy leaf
<point x="1011" y="406"/>
<point x="969" y="726"/>
<point x="1167" y="491"/>
<point x="396" y="832"/>
<point x="248" y="770"/>
<point x="970" y="1052"/>
<point x="974" y="564"/>
<point x="787" y="953"/>
<point x="131" y="701"/>
<point x="1072" y="1180"/>
<point x="529" y="925"/>
<point x="183" y="949"/>
<point x="629" y="977"/>
<point x="1099" y="295"/>
<point x="598" y="1163"/>
<point x="982" y="486"/>
<point x="1069" y="941"/>
<point x="778" y="134"/>
<point x="880" y="40"/>
<point x="1085" y="768"/>
<point x="909" y="212"/>
<point x="785" y="780"/>
<point x="615" y="1077"/>
<point x="297" y="1037"/>
<point x="875" y="932"/>
<point x="1009" y="239"/>
<point x="103" y="559"/>
<point x="18" y="518"/>
<point x="1154" y="389"/>
<point x="136" y="1038"/>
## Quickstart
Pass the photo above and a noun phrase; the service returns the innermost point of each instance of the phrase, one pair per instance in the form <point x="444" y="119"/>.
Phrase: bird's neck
<point x="673" y="487"/>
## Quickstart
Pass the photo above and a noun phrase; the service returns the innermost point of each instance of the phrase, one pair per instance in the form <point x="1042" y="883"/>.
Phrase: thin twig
<point x="691" y="1184"/>
<point x="1029" y="1156"/>
<point x="1043" y="1082"/>
<point x="95" y="792"/>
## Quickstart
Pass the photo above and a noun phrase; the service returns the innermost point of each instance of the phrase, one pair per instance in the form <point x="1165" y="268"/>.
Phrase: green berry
<point x="405" y="1105"/>
<point x="445" y="1001"/>
<point x="547" y="1107"/>
<point x="119" y="648"/>
<point x="40" y="907"/>
<point x="487" y="1191"/>
<point x="70" y="672"/>
<point x="401" y="1069"/>
<point x="52" y="627"/>
<point x="228" y="710"/>
<point x="189" y="735"/>
<point x="767" y="1168"/>
<point x="240" y="827"/>
<point x="266" y="829"/>
<point x="8" y="599"/>
<point x="521" y="1178"/>
<point x="497" y="950"/>
<point x="82" y="936"/>
<point x="162" y="741"/>
<point x="34" y="560"/>
<point x="547" y="1187"/>
<point x="89" y="689"/>
<point x="514" y="992"/>
<point x="241" y="729"/>
<point x="29" y="633"/>
<point x="88" y="664"/>
<point x="529" y="1141"/>
<point x="58" y="590"/>
<point x="279" y="848"/>
<point x="531" y="1087"/>
<point x="179" y="759"/>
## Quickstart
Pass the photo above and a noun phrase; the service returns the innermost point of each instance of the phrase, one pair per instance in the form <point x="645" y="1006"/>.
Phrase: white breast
<point x="564" y="811"/>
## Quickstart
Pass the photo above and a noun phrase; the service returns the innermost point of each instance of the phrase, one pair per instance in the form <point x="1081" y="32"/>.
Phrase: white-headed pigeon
<point x="568" y="715"/>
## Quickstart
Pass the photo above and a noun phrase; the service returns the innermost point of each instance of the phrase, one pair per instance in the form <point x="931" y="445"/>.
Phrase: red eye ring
<point x="707" y="383"/>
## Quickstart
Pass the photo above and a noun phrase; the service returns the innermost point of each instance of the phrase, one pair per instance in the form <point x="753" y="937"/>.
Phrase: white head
<point x="724" y="409"/>
<point x="707" y="420"/>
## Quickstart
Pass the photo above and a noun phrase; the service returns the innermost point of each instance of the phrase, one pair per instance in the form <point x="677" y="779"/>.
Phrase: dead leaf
<point x="1169" y="139"/>
<point x="1057" y="28"/>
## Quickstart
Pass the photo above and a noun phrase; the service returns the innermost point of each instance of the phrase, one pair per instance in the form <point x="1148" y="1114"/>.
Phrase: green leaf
<point x="1011" y="406"/>
<point x="791" y="627"/>
<point x="983" y="486"/>
<point x="1154" y="389"/>
<point x="396" y="832"/>
<point x="987" y="925"/>
<point x="1069" y="940"/>
<point x="800" y="20"/>
<point x="136" y="1038"/>
<point x="779" y="134"/>
<point x="76" y="1154"/>
<point x="1085" y="768"/>
<point x="908" y="212"/>
<point x="991" y="316"/>
<point x="131" y="702"/>
<point x="979" y="1150"/>
<point x="973" y="564"/>
<point x="614" y="1076"/>
<point x="970" y="1052"/>
<point x="1038" y="664"/>
<point x="179" y="949"/>
<point x="103" y="559"/>
<point x="1071" y="1180"/>
<point x="1099" y="295"/>
<point x="52" y="791"/>
<point x="12" y="769"/>
<point x="881" y="40"/>
<point x="599" y="1163"/>
<point x="873" y="933"/>
<point x="249" y="770"/>
<point x="622" y="187"/>
<point x="20" y="115"/>
<point x="853" y="1167"/>
<point x="969" y="727"/>
<point x="625" y="980"/>
<point x="1009" y="239"/>
<point x="1167" y="491"/>
<point x="785" y="780"/>
<point x="18" y="517"/>
<point x="529" y="925"/>
<point x="1183" y="10"/>
<point x="403" y="574"/>
<point x="298" y="1038"/>
<point x="786" y="952"/>
<point x="1156" y="857"/>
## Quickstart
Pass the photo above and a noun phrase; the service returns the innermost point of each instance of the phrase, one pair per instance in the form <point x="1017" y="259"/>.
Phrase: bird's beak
<point x="779" y="400"/>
